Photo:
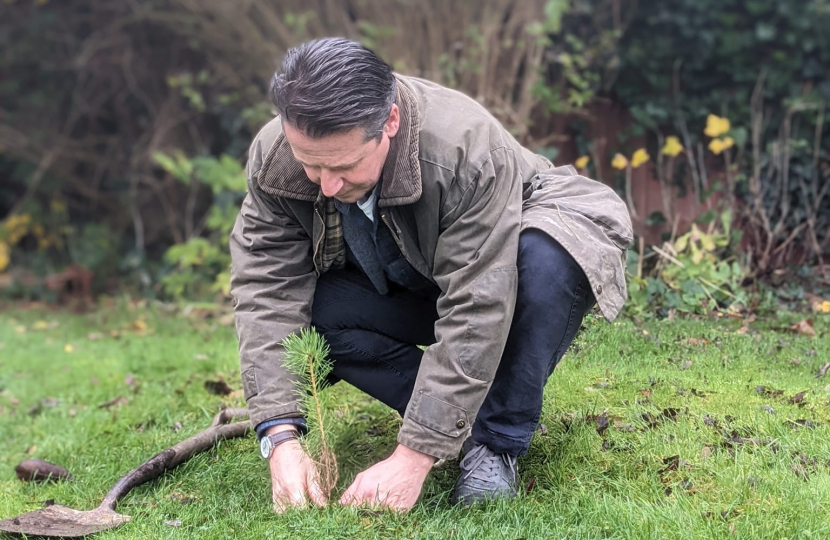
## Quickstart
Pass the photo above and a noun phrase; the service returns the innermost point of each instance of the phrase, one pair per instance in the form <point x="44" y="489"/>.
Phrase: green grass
<point x="623" y="483"/>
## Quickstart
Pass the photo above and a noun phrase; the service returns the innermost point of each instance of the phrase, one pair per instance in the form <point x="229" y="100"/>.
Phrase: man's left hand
<point x="394" y="482"/>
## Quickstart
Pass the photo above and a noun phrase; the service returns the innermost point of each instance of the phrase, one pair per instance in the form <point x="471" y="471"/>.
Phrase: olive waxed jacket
<point x="456" y="191"/>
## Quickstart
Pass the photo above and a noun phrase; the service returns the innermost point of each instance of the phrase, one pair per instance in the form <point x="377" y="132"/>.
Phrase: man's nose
<point x="330" y="183"/>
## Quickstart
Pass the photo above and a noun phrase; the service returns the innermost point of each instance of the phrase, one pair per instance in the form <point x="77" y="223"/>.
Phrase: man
<point x="390" y="212"/>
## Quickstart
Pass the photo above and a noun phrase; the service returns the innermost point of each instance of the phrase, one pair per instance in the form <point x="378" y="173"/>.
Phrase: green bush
<point x="200" y="267"/>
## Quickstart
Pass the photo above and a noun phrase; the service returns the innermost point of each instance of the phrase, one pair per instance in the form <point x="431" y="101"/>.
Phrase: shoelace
<point x="481" y="459"/>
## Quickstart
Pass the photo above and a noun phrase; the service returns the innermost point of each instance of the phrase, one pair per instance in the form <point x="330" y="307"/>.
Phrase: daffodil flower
<point x="4" y="256"/>
<point x="639" y="157"/>
<point x="620" y="162"/>
<point x="719" y="145"/>
<point x="716" y="126"/>
<point x="672" y="147"/>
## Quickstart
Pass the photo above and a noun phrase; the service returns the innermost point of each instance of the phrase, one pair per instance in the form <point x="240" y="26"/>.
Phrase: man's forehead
<point x="337" y="150"/>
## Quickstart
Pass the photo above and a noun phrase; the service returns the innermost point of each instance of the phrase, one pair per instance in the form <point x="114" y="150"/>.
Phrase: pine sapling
<point x="306" y="356"/>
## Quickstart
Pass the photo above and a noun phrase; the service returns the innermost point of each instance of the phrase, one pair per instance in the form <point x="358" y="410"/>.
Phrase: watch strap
<point x="283" y="436"/>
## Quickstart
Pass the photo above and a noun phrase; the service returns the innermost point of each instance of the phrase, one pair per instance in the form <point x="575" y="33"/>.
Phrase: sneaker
<point x="485" y="475"/>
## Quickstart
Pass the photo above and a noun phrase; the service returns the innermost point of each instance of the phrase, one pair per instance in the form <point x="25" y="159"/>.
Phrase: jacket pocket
<point x="440" y="416"/>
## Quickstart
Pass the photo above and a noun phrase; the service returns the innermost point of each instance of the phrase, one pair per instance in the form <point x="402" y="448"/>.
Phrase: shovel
<point x="62" y="521"/>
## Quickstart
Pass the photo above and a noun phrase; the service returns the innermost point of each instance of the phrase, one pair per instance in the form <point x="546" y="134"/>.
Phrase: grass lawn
<point x="656" y="431"/>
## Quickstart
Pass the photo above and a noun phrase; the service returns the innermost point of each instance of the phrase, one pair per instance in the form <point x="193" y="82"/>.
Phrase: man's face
<point x="344" y="165"/>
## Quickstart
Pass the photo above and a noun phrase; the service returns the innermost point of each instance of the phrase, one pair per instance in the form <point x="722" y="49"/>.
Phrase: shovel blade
<point x="62" y="521"/>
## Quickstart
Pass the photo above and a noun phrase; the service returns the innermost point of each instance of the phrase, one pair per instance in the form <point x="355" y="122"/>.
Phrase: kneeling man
<point x="390" y="212"/>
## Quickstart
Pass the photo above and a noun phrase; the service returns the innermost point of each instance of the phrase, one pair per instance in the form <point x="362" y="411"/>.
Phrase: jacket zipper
<point x="395" y="236"/>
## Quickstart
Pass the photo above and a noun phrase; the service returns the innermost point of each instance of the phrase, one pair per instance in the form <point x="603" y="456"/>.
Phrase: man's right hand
<point x="294" y="477"/>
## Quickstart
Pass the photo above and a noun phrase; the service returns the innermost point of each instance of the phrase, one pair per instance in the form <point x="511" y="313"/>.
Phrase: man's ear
<point x="393" y="122"/>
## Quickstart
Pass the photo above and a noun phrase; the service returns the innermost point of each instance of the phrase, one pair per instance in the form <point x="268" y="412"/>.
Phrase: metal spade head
<point x="62" y="521"/>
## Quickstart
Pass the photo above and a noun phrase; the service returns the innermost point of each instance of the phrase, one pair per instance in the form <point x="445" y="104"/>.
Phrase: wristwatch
<point x="269" y="442"/>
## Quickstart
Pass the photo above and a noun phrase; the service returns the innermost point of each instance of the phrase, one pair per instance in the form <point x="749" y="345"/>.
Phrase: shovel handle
<point x="179" y="453"/>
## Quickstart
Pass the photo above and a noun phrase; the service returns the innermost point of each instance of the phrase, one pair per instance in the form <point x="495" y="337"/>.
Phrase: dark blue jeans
<point x="373" y="338"/>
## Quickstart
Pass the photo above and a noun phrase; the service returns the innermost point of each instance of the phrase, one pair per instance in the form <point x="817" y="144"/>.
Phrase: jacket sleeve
<point x="475" y="267"/>
<point x="272" y="283"/>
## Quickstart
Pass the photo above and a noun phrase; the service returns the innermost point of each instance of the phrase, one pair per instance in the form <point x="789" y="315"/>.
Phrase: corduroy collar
<point x="283" y="176"/>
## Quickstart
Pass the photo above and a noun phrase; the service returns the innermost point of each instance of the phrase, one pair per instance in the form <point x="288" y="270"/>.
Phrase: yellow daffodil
<point x="719" y="145"/>
<point x="4" y="256"/>
<point x="716" y="126"/>
<point x="582" y="162"/>
<point x="672" y="147"/>
<point x="639" y="157"/>
<point x="619" y="162"/>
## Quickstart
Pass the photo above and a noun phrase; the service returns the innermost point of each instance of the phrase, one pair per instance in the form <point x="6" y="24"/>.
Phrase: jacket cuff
<point x="260" y="412"/>
<point x="299" y="422"/>
<point x="434" y="427"/>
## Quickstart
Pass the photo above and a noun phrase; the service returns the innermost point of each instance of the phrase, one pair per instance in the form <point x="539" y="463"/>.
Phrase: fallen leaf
<point x="601" y="421"/>
<point x="798" y="398"/>
<point x="686" y="365"/>
<point x="200" y="357"/>
<point x="696" y="341"/>
<point x="29" y="451"/>
<point x="530" y="484"/>
<point x="801" y="471"/>
<point x="50" y="402"/>
<point x="764" y="391"/>
<point x="72" y="413"/>
<point x="177" y="426"/>
<point x="646" y="392"/>
<point x="735" y="441"/>
<point x="804" y="327"/>
<point x="20" y="329"/>
<point x="742" y="330"/>
<point x="653" y="420"/>
<point x="129" y="380"/>
<point x="93" y="336"/>
<point x="823" y="371"/>
<point x="120" y="400"/>
<point x="623" y="427"/>
<point x="219" y="388"/>
<point x="173" y="522"/>
<point x="671" y="464"/>
<point x="706" y="452"/>
<point x="542" y="429"/>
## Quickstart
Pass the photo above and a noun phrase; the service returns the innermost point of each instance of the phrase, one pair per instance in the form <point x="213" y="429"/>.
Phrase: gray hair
<point x="333" y="85"/>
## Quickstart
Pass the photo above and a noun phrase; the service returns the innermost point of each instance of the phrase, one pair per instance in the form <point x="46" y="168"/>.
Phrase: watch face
<point x="265" y="447"/>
